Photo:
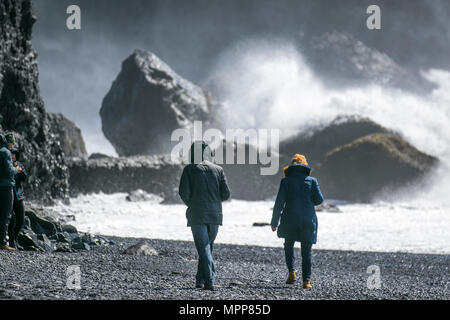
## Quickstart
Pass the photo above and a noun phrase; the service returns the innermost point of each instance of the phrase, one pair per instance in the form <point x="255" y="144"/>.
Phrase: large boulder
<point x="68" y="135"/>
<point x="146" y="102"/>
<point x="372" y="167"/>
<point x="340" y="131"/>
<point x="356" y="159"/>
<point x="21" y="107"/>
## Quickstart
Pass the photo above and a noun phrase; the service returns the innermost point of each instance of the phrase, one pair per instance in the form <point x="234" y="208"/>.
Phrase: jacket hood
<point x="199" y="152"/>
<point x="3" y="142"/>
<point x="297" y="170"/>
<point x="16" y="152"/>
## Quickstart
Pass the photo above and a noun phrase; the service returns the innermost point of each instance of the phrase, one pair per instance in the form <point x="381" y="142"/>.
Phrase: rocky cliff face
<point x="68" y="135"/>
<point x="146" y="102"/>
<point x="21" y="107"/>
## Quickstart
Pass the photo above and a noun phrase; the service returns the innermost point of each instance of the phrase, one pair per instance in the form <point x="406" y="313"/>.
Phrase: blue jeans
<point x="306" y="257"/>
<point x="204" y="236"/>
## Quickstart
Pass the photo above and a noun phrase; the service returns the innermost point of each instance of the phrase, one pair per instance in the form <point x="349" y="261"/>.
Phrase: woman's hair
<point x="299" y="159"/>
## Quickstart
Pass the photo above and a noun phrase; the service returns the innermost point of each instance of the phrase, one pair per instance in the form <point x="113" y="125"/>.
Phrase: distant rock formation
<point x="21" y="107"/>
<point x="372" y="166"/>
<point x="356" y="159"/>
<point x="68" y="135"/>
<point x="342" y="58"/>
<point x="340" y="131"/>
<point x="146" y="102"/>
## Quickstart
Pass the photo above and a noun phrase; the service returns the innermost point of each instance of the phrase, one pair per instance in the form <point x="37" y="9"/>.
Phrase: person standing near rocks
<point x="297" y="196"/>
<point x="17" y="219"/>
<point x="7" y="183"/>
<point x="203" y="187"/>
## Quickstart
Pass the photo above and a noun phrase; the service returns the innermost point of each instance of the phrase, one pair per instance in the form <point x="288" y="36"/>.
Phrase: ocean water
<point x="387" y="227"/>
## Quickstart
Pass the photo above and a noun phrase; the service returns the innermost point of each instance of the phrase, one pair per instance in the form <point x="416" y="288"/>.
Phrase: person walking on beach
<point x="203" y="187"/>
<point x="18" y="217"/>
<point x="297" y="196"/>
<point x="7" y="173"/>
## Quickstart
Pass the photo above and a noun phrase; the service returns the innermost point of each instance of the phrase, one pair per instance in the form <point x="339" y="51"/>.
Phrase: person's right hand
<point x="274" y="229"/>
<point x="19" y="169"/>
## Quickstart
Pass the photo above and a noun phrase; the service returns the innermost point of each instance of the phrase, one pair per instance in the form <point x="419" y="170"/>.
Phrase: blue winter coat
<point x="7" y="170"/>
<point x="297" y="196"/>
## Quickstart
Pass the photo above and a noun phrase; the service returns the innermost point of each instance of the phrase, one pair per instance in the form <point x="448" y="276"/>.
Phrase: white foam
<point x="269" y="85"/>
<point x="378" y="227"/>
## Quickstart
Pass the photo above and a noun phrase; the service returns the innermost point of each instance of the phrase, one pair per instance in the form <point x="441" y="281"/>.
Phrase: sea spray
<point x="270" y="85"/>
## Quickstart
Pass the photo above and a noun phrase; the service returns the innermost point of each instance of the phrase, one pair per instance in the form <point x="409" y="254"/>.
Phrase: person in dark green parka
<point x="7" y="183"/>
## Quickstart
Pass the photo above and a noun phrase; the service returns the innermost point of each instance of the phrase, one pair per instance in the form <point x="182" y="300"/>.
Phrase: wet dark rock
<point x="40" y="225"/>
<point x="141" y="247"/>
<point x="261" y="224"/>
<point x="146" y="103"/>
<point x="28" y="240"/>
<point x="81" y="246"/>
<point x="22" y="109"/>
<point x="69" y="228"/>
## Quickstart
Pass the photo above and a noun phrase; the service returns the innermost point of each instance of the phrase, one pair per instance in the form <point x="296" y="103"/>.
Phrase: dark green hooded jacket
<point x="203" y="187"/>
<point x="7" y="170"/>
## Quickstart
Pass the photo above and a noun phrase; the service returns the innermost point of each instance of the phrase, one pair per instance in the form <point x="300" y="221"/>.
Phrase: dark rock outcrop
<point x="21" y="107"/>
<point x="146" y="102"/>
<point x="68" y="135"/>
<point x="371" y="167"/>
<point x="356" y="159"/>
<point x="43" y="232"/>
<point x="153" y="174"/>
<point x="340" y="131"/>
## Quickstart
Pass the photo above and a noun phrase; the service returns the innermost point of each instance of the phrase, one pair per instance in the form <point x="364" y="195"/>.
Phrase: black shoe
<point x="199" y="286"/>
<point x="210" y="288"/>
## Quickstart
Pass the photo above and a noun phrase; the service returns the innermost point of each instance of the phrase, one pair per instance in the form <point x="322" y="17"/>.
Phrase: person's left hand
<point x="274" y="228"/>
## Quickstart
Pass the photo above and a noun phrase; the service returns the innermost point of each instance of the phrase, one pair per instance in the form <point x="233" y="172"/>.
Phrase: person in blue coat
<point x="297" y="196"/>
<point x="7" y="183"/>
<point x="203" y="187"/>
<point x="18" y="217"/>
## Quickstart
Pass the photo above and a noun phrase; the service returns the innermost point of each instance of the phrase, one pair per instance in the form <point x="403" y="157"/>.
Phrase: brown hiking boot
<point x="307" y="285"/>
<point x="7" y="248"/>
<point x="291" y="278"/>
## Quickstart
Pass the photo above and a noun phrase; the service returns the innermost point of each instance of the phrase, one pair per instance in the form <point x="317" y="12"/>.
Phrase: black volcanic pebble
<point x="243" y="272"/>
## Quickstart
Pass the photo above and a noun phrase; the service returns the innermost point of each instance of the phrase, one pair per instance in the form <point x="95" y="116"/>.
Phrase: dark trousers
<point x="204" y="236"/>
<point x="6" y="207"/>
<point x="16" y="222"/>
<point x="306" y="257"/>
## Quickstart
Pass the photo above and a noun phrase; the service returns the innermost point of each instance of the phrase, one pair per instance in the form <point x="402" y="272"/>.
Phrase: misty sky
<point x="77" y="67"/>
